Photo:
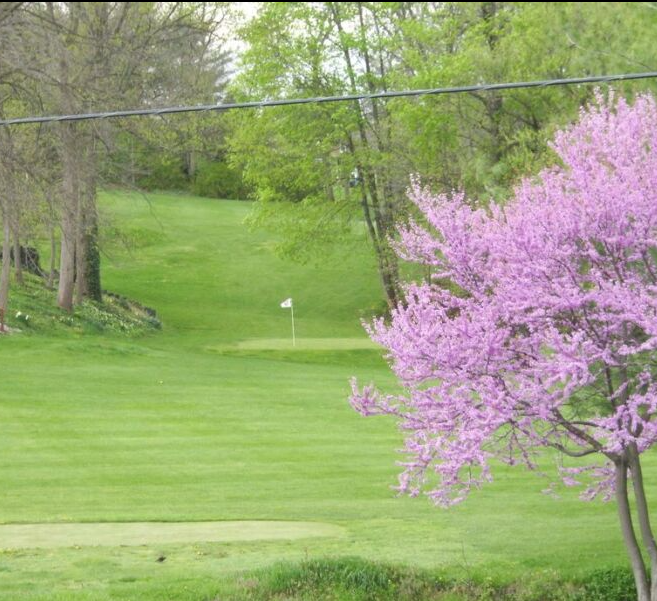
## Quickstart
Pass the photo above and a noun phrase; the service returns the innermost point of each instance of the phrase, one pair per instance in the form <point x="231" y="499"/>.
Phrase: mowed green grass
<point x="217" y="418"/>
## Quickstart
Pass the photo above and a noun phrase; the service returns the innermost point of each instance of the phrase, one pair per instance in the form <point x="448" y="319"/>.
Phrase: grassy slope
<point x="33" y="310"/>
<point x="215" y="419"/>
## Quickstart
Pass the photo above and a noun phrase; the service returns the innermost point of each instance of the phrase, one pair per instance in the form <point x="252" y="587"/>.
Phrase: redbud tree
<point x="538" y="326"/>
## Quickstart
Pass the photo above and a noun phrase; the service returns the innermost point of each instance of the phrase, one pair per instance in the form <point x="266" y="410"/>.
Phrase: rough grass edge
<point x="357" y="579"/>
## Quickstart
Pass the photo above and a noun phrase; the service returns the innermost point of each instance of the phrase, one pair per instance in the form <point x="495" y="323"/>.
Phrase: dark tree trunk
<point x="94" y="289"/>
<point x="629" y="537"/>
<point x="6" y="263"/>
<point x="643" y="516"/>
<point x="53" y="258"/>
<point x="18" y="260"/>
<point x="81" y="246"/>
<point x="90" y="219"/>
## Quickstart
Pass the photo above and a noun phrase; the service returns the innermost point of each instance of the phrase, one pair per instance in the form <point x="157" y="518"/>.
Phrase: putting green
<point x="50" y="536"/>
<point x="302" y="344"/>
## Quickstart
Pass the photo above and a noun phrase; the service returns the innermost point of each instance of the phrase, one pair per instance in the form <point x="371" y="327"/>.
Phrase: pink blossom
<point x="545" y="336"/>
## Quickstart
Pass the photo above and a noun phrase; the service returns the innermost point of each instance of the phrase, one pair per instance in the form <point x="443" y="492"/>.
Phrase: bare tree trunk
<point x="629" y="537"/>
<point x="53" y="258"/>
<point x="70" y="158"/>
<point x="389" y="277"/>
<point x="71" y="193"/>
<point x="378" y="212"/>
<point x="18" y="263"/>
<point x="644" y="517"/>
<point x="92" y="266"/>
<point x="6" y="263"/>
<point x="80" y="253"/>
<point x="90" y="219"/>
<point x="190" y="164"/>
<point x="87" y="262"/>
<point x="389" y="272"/>
<point x="67" y="264"/>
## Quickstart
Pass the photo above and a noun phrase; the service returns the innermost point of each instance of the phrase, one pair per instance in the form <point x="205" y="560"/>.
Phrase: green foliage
<point x="161" y="171"/>
<point x="480" y="142"/>
<point x="291" y="157"/>
<point x="181" y="159"/>
<point x="346" y="579"/>
<point x="33" y="310"/>
<point x="306" y="230"/>
<point x="116" y="315"/>
<point x="356" y="579"/>
<point x="217" y="179"/>
<point x="331" y="162"/>
<point x="612" y="584"/>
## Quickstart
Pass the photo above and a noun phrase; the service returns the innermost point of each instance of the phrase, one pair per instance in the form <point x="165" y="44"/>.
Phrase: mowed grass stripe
<point x="53" y="536"/>
<point x="186" y="425"/>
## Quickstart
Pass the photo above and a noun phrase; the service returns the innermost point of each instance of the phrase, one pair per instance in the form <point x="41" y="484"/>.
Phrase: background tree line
<point x="315" y="172"/>
<point x="74" y="57"/>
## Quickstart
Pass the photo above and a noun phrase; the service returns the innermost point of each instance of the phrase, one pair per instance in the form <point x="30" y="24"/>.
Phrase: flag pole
<point x="288" y="303"/>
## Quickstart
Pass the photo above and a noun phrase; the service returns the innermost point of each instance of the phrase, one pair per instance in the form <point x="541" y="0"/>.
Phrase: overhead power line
<point x="323" y="99"/>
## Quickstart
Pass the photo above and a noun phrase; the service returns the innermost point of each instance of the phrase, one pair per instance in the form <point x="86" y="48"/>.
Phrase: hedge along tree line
<point x="538" y="327"/>
<point x="209" y="176"/>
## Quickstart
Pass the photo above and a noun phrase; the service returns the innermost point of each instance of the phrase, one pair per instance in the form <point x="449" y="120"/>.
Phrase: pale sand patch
<point x="114" y="534"/>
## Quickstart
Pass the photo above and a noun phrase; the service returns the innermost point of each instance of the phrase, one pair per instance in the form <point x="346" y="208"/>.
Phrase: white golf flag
<point x="287" y="303"/>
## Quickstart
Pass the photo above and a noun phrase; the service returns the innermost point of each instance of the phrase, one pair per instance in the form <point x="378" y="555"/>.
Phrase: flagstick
<point x="294" y="340"/>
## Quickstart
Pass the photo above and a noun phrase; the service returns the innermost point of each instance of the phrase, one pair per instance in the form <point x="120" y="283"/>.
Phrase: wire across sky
<point x="545" y="83"/>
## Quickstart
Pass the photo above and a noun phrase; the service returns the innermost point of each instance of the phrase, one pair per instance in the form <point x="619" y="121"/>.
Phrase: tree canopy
<point x="318" y="172"/>
<point x="538" y="327"/>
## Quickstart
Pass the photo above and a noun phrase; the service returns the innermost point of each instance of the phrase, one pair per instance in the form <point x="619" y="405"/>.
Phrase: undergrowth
<point x="355" y="579"/>
<point x="32" y="309"/>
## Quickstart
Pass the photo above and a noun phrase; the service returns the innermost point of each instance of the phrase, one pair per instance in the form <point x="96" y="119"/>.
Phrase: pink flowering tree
<point x="538" y="327"/>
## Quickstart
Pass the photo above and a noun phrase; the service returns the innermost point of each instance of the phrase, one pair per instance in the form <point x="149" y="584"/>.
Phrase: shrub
<point x="215" y="179"/>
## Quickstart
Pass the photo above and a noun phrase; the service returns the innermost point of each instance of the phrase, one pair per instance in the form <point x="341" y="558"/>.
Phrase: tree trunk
<point x="53" y="258"/>
<point x="71" y="166"/>
<point x="6" y="263"/>
<point x="389" y="277"/>
<point x="71" y="192"/>
<point x="87" y="262"/>
<point x="66" y="264"/>
<point x="629" y="537"/>
<point x="81" y="254"/>
<point x="90" y="219"/>
<point x="377" y="208"/>
<point x="389" y="273"/>
<point x="18" y="263"/>
<point x="92" y="266"/>
<point x="190" y="164"/>
<point x="644" y="517"/>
